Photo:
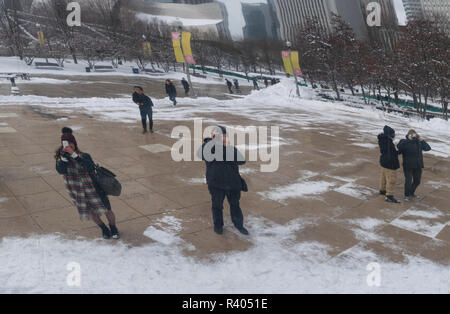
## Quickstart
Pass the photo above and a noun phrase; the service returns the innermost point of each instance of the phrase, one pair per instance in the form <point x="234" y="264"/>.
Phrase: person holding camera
<point x="223" y="178"/>
<point x="78" y="170"/>
<point x="412" y="149"/>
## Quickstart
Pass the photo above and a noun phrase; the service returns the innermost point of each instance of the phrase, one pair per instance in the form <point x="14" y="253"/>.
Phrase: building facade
<point x="293" y="14"/>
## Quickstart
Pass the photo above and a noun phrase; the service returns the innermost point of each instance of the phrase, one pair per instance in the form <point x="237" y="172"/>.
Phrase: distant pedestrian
<point x="230" y="86"/>
<point x="412" y="149"/>
<point x="389" y="164"/>
<point x="186" y="86"/>
<point x="255" y="84"/>
<point x="145" y="106"/>
<point x="171" y="91"/>
<point x="273" y="81"/>
<point x="237" y="87"/>
<point x="78" y="170"/>
<point x="223" y="178"/>
<point x="266" y="82"/>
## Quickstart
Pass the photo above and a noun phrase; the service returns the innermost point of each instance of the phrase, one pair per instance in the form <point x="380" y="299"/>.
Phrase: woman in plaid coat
<point x="78" y="170"/>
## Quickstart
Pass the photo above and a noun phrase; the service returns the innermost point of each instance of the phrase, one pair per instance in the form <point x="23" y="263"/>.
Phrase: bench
<point x="152" y="71"/>
<point x="199" y="75"/>
<point x="47" y="65"/>
<point x="104" y="68"/>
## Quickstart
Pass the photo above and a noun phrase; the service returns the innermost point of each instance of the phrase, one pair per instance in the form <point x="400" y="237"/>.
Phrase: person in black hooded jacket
<point x="412" y="149"/>
<point x="223" y="179"/>
<point x="389" y="163"/>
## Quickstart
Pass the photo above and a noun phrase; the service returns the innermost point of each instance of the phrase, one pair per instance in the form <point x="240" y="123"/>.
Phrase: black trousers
<point x="413" y="179"/>
<point x="146" y="111"/>
<point x="217" y="198"/>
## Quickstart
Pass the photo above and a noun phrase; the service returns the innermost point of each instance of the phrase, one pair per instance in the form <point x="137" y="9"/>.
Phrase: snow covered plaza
<point x="317" y="224"/>
<point x="224" y="155"/>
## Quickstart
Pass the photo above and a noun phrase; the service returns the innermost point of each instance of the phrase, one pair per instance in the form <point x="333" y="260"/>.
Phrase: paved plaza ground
<point x="33" y="199"/>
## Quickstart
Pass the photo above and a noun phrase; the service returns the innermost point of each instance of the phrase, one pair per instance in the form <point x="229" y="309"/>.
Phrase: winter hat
<point x="389" y="131"/>
<point x="68" y="136"/>
<point x="139" y="87"/>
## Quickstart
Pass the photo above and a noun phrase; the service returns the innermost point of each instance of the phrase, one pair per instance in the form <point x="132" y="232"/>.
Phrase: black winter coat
<point x="142" y="99"/>
<point x="412" y="151"/>
<point x="88" y="164"/>
<point x="171" y="90"/>
<point x="389" y="154"/>
<point x="224" y="174"/>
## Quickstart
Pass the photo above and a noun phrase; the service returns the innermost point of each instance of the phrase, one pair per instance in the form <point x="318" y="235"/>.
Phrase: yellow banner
<point x="296" y="63"/>
<point x="177" y="47"/>
<point x="147" y="49"/>
<point x="186" y="41"/>
<point x="287" y="62"/>
<point x="41" y="39"/>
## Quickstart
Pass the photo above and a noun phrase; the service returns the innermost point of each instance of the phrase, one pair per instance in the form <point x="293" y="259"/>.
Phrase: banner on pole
<point x="291" y="61"/>
<point x="296" y="63"/>
<point x="186" y="41"/>
<point x="287" y="62"/>
<point x="41" y="39"/>
<point x="176" y="39"/>
<point x="147" y="49"/>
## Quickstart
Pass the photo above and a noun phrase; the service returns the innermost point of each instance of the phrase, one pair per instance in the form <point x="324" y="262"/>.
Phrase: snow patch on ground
<point x="165" y="231"/>
<point x="303" y="189"/>
<point x="39" y="265"/>
<point x="3" y="199"/>
<point x="355" y="190"/>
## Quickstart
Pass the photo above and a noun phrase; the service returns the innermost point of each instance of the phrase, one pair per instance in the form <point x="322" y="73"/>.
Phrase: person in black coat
<point x="230" y="86"/>
<point x="389" y="163"/>
<point x="186" y="86"/>
<point x="171" y="91"/>
<point x="223" y="179"/>
<point x="237" y="87"/>
<point x="145" y="106"/>
<point x="412" y="149"/>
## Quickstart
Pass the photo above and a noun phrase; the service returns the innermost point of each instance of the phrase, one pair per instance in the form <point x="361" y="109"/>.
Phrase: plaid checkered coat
<point x="81" y="185"/>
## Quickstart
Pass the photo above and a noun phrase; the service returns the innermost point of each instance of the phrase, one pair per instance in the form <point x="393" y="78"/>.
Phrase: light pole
<point x="289" y="45"/>
<point x="186" y="65"/>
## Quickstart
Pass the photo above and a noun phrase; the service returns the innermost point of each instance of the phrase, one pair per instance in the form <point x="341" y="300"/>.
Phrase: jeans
<point x="146" y="111"/>
<point x="173" y="99"/>
<point x="413" y="178"/>
<point x="217" y="198"/>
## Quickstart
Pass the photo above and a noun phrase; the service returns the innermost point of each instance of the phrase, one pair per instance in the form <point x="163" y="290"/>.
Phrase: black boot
<point x="391" y="199"/>
<point x="115" y="233"/>
<point x="382" y="192"/>
<point x="218" y="230"/>
<point x="105" y="232"/>
<point x="242" y="230"/>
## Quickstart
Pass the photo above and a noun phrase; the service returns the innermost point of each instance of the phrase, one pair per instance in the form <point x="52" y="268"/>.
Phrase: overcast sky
<point x="237" y="20"/>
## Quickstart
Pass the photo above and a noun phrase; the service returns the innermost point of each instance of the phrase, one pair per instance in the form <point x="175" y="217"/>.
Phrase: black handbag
<point x="107" y="181"/>
<point x="244" y="185"/>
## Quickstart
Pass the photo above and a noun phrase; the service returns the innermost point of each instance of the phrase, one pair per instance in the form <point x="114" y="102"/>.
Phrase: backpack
<point x="107" y="181"/>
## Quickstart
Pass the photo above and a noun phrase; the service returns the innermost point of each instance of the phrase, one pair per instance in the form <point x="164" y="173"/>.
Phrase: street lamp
<point x="289" y="45"/>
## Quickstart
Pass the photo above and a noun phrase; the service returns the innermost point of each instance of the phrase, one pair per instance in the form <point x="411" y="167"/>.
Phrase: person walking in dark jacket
<point x="223" y="178"/>
<point x="412" y="149"/>
<point x="237" y="87"/>
<point x="186" y="86"/>
<point x="230" y="86"/>
<point x="78" y="170"/>
<point x="266" y="82"/>
<point x="171" y="91"/>
<point x="389" y="164"/>
<point x="145" y="106"/>
<point x="255" y="84"/>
